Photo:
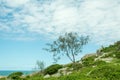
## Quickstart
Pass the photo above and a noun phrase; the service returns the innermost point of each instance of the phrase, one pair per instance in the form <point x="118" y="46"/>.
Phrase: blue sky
<point x="27" y="25"/>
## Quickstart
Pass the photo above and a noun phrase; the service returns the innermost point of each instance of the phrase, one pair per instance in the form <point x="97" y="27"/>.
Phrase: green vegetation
<point x="15" y="75"/>
<point x="107" y="72"/>
<point x="34" y="77"/>
<point x="89" y="68"/>
<point x="112" y="51"/>
<point x="2" y="78"/>
<point x="99" y="63"/>
<point x="77" y="65"/>
<point x="69" y="44"/>
<point x="88" y="61"/>
<point x="52" y="69"/>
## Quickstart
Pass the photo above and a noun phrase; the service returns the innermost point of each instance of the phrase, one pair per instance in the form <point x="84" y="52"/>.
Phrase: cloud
<point x="97" y="18"/>
<point x="15" y="3"/>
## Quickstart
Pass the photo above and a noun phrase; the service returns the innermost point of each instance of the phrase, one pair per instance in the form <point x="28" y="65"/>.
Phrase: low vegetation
<point x="52" y="69"/>
<point x="90" y="68"/>
<point x="15" y="76"/>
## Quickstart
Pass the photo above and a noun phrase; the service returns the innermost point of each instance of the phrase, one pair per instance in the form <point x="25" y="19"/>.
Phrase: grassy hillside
<point x="104" y="65"/>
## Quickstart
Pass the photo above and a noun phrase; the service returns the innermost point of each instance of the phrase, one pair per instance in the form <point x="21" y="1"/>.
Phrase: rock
<point x="71" y="69"/>
<point x="68" y="73"/>
<point x="47" y="76"/>
<point x="108" y="60"/>
<point x="65" y="71"/>
<point x="56" y="75"/>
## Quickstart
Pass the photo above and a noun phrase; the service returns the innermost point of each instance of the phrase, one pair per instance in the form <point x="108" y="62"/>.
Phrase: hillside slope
<point x="102" y="65"/>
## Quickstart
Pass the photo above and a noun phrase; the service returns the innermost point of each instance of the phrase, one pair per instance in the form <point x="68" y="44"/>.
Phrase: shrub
<point x="117" y="55"/>
<point x="69" y="65"/>
<point x="99" y="62"/>
<point x="88" y="61"/>
<point x="34" y="77"/>
<point x="77" y="66"/>
<point x="106" y="72"/>
<point x="52" y="69"/>
<point x="28" y="76"/>
<point x="15" y="75"/>
<point x="2" y="78"/>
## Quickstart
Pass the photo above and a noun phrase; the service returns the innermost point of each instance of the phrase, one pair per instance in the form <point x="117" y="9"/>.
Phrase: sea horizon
<point x="8" y="72"/>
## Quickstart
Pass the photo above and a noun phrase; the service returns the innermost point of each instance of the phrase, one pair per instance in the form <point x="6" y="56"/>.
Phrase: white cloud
<point x="16" y="3"/>
<point x="65" y="16"/>
<point x="98" y="18"/>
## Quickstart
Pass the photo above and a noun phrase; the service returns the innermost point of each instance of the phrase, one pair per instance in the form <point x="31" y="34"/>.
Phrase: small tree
<point x="69" y="44"/>
<point x="40" y="66"/>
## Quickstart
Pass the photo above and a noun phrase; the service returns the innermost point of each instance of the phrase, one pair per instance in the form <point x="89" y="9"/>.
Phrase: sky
<point x="27" y="25"/>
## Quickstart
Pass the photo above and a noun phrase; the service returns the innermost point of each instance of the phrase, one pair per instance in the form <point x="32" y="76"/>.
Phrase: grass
<point x="90" y="69"/>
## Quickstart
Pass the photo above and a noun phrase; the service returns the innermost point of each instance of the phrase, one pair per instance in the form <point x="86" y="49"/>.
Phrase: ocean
<point x="7" y="72"/>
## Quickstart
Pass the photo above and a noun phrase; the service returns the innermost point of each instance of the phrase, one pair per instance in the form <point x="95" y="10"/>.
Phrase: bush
<point x="52" y="69"/>
<point x="35" y="77"/>
<point x="15" y="75"/>
<point x="99" y="62"/>
<point x="2" y="78"/>
<point x="111" y="48"/>
<point x="77" y="66"/>
<point x="117" y="55"/>
<point x="70" y="65"/>
<point x="88" y="61"/>
<point x="106" y="72"/>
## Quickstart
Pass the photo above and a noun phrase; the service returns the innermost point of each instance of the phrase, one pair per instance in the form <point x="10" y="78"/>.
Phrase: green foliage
<point x="2" y="78"/>
<point x="86" y="71"/>
<point x="76" y="66"/>
<point x="99" y="62"/>
<point x="112" y="48"/>
<point x="114" y="54"/>
<point x="117" y="55"/>
<point x="108" y="49"/>
<point x="101" y="72"/>
<point x="74" y="76"/>
<point x="35" y="77"/>
<point x="88" y="61"/>
<point x="69" y="44"/>
<point x="15" y="75"/>
<point x="27" y="76"/>
<point x="52" y="69"/>
<point x="108" y="55"/>
<point x="106" y="72"/>
<point x="70" y="65"/>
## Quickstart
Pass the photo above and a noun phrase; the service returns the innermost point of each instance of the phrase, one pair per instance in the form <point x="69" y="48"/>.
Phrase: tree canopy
<point x="69" y="44"/>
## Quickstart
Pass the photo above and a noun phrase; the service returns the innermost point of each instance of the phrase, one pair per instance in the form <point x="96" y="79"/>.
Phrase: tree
<point x="69" y="44"/>
<point x="40" y="66"/>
